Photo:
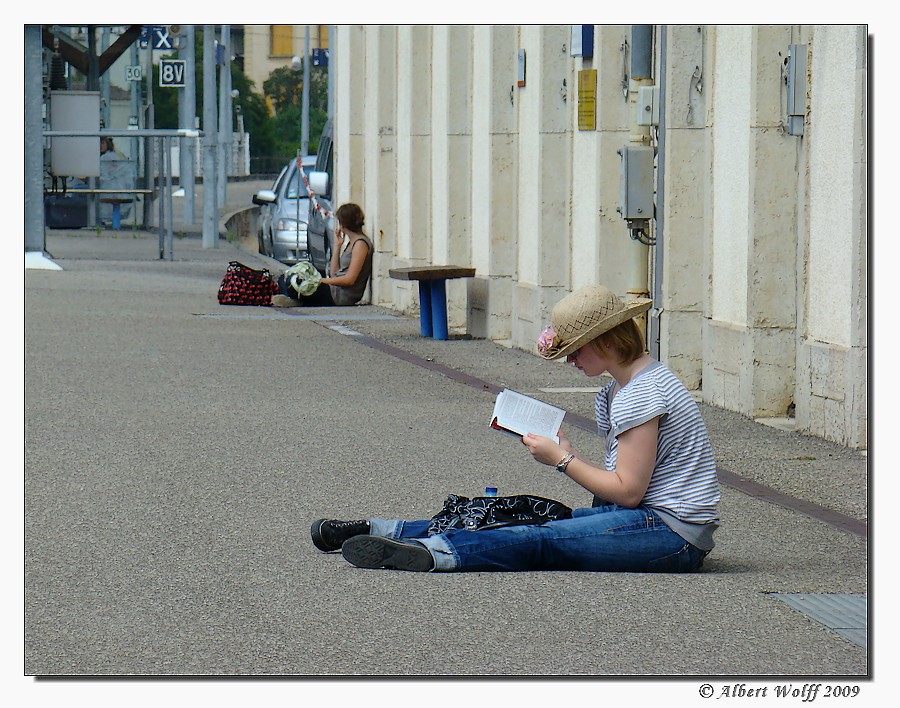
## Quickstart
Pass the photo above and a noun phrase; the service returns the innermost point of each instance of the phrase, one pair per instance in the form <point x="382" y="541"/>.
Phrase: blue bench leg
<point x="439" y="308"/>
<point x="425" y="327"/>
<point x="116" y="216"/>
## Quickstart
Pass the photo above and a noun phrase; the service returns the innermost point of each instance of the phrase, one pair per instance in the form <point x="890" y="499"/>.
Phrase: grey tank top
<point x="350" y="295"/>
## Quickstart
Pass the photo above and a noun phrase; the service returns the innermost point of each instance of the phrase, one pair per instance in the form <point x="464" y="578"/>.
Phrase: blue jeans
<point x="600" y="538"/>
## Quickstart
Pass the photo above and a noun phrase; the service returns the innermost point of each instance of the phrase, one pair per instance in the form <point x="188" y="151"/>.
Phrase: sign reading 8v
<point x="171" y="73"/>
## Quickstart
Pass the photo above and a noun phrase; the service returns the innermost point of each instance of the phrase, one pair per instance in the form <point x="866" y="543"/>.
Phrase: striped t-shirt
<point x="684" y="486"/>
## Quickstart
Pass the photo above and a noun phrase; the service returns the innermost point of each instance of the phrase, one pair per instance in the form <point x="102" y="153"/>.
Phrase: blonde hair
<point x="624" y="339"/>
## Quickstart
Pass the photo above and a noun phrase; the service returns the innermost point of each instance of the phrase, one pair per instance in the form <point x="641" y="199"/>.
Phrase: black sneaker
<point x="380" y="552"/>
<point x="330" y="534"/>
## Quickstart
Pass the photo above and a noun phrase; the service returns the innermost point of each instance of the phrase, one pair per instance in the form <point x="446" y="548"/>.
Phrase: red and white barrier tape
<point x="312" y="197"/>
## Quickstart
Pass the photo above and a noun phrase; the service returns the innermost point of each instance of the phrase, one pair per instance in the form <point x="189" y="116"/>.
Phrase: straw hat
<point x="584" y="315"/>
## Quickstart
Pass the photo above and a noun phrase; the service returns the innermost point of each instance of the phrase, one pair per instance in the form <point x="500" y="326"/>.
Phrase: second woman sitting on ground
<point x="350" y="266"/>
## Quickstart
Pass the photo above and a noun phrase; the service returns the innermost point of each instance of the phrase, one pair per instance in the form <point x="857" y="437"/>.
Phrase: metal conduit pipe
<point x="641" y="75"/>
<point x="210" y="131"/>
<point x="654" y="324"/>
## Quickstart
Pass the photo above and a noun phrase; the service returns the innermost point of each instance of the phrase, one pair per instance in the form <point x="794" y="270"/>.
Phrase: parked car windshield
<point x="296" y="186"/>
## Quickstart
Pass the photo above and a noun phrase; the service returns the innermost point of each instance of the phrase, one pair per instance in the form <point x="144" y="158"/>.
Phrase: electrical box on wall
<point x="636" y="182"/>
<point x="648" y="105"/>
<point x="582" y="42"/>
<point x="795" y="78"/>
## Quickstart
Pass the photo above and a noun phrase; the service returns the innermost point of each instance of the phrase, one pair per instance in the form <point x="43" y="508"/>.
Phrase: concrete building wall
<point x="750" y="336"/>
<point x="494" y="178"/>
<point x="831" y="385"/>
<point x="762" y="267"/>
<point x="379" y="168"/>
<point x="730" y="166"/>
<point x="687" y="246"/>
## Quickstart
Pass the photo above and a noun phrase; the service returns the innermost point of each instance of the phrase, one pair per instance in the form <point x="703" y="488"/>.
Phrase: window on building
<point x="323" y="36"/>
<point x="282" y="40"/>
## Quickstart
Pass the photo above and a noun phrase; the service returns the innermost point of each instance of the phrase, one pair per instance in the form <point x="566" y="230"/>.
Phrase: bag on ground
<point x="493" y="512"/>
<point x="243" y="285"/>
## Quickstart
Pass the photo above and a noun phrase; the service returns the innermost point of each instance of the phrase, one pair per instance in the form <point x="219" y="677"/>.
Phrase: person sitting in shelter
<point x="116" y="172"/>
<point x="108" y="149"/>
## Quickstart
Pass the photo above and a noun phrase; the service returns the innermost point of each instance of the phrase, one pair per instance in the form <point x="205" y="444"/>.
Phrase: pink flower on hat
<point x="548" y="341"/>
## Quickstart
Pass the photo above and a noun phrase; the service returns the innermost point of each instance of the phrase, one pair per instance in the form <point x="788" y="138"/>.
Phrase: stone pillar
<point x="832" y="354"/>
<point x="599" y="235"/>
<point x="684" y="241"/>
<point x="544" y="181"/>
<point x="451" y="162"/>
<point x="772" y="263"/>
<point x="349" y="151"/>
<point x="493" y="181"/>
<point x="750" y="340"/>
<point x="413" y="157"/>
<point x="380" y="187"/>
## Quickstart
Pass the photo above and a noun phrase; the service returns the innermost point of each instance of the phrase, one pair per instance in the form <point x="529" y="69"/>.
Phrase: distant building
<point x="270" y="47"/>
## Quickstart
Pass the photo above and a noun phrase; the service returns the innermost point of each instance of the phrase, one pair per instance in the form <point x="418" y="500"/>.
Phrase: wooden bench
<point x="432" y="294"/>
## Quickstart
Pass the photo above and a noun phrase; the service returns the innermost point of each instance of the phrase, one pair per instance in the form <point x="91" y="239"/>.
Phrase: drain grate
<point x="845" y="614"/>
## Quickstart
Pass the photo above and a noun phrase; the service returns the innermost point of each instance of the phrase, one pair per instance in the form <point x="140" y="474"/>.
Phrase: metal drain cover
<point x="845" y="614"/>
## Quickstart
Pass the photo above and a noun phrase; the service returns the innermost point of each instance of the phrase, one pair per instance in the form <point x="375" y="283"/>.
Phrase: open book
<point x="518" y="414"/>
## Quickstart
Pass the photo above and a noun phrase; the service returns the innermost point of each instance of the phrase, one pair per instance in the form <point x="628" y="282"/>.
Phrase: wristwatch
<point x="564" y="462"/>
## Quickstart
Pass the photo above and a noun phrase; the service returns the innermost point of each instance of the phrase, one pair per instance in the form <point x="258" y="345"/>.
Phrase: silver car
<point x="283" y="214"/>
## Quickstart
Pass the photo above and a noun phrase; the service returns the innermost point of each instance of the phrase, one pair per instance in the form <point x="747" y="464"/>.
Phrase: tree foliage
<point x="274" y="134"/>
<point x="284" y="89"/>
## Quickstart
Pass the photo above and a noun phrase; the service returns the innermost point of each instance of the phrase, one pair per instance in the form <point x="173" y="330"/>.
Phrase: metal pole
<point x="170" y="218"/>
<point x="93" y="75"/>
<point x="304" y="120"/>
<point x="641" y="73"/>
<point x="161" y="202"/>
<point x="149" y="124"/>
<point x="210" y="210"/>
<point x="104" y="82"/>
<point x="654" y="324"/>
<point x="229" y="113"/>
<point x="297" y="201"/>
<point x="187" y="118"/>
<point x="331" y="74"/>
<point x="34" y="143"/>
<point x="92" y="81"/>
<point x="134" y="122"/>
<point x="224" y="110"/>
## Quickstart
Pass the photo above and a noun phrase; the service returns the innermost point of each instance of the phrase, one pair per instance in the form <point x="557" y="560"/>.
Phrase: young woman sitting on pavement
<point x="350" y="267"/>
<point x="655" y="492"/>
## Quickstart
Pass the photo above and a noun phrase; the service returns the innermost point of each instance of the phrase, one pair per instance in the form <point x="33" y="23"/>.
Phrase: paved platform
<point x="177" y="451"/>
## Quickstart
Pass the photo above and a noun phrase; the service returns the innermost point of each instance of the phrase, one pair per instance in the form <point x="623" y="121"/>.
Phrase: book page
<point x="523" y="414"/>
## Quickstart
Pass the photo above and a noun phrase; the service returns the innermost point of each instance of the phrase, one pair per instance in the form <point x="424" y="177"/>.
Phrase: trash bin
<point x="65" y="211"/>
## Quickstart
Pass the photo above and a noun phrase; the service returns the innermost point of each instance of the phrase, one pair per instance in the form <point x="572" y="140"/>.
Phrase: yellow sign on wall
<point x="587" y="99"/>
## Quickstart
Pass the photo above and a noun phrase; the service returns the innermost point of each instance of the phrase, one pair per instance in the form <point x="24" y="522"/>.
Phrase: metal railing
<point x="164" y="205"/>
